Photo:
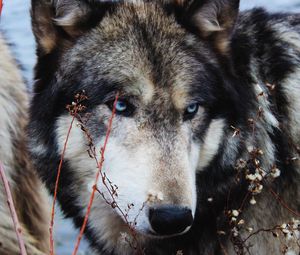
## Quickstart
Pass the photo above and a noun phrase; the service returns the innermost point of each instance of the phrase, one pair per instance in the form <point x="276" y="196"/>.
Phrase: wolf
<point x="202" y="104"/>
<point x="28" y="193"/>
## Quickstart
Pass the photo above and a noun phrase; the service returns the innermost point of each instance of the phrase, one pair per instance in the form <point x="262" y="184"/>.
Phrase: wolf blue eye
<point x="121" y="106"/>
<point x="192" y="108"/>
<point x="190" y="111"/>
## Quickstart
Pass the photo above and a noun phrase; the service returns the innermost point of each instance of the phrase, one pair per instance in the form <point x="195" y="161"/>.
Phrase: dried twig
<point x="12" y="209"/>
<point x="283" y="203"/>
<point x="268" y="230"/>
<point x="1" y="5"/>
<point x="100" y="165"/>
<point x="56" y="188"/>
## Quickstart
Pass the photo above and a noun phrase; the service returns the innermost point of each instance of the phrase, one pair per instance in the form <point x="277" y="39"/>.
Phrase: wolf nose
<point x="170" y="220"/>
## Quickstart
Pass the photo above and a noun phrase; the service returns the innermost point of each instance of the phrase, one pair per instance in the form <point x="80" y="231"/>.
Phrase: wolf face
<point x="167" y="63"/>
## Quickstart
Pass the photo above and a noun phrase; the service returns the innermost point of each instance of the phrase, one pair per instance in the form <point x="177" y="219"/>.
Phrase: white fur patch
<point x="38" y="148"/>
<point x="212" y="140"/>
<point x="286" y="33"/>
<point x="291" y="253"/>
<point x="291" y="88"/>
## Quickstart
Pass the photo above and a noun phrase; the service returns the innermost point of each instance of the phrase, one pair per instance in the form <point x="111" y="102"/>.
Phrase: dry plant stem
<point x="283" y="203"/>
<point x="261" y="230"/>
<point x="13" y="210"/>
<point x="1" y="5"/>
<point x="100" y="165"/>
<point x="56" y="187"/>
<point x="244" y="201"/>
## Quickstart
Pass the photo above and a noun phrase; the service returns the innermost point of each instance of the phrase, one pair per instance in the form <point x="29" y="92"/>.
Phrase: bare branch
<point x="12" y="209"/>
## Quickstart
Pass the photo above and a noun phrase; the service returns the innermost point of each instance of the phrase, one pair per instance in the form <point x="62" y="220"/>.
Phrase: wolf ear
<point x="212" y="19"/>
<point x="56" y="21"/>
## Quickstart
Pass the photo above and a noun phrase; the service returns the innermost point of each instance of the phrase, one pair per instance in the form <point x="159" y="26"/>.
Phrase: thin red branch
<point x="1" y="5"/>
<point x="12" y="209"/>
<point x="56" y="187"/>
<point x="100" y="165"/>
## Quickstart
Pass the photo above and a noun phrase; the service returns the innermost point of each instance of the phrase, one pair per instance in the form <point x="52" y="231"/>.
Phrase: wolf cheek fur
<point x="163" y="58"/>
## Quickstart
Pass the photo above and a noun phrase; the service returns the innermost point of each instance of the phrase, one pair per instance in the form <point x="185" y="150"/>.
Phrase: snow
<point x="15" y="23"/>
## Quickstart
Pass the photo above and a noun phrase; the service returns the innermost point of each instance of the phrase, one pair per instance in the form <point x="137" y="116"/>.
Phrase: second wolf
<point x="27" y="190"/>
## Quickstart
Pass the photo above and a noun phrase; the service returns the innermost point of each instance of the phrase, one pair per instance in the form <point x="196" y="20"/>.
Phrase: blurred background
<point x="15" y="24"/>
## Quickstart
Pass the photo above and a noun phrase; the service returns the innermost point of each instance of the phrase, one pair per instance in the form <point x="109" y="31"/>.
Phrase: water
<point x="15" y="22"/>
<point x="273" y="5"/>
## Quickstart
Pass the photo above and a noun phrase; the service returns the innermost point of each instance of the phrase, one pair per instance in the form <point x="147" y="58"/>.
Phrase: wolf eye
<point x="123" y="107"/>
<point x="192" y="108"/>
<point x="191" y="111"/>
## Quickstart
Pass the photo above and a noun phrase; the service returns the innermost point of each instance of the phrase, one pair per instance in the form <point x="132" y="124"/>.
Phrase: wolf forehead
<point x="137" y="44"/>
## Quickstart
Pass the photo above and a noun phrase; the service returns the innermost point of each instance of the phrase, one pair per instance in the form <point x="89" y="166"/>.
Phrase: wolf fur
<point x="28" y="195"/>
<point x="241" y="69"/>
